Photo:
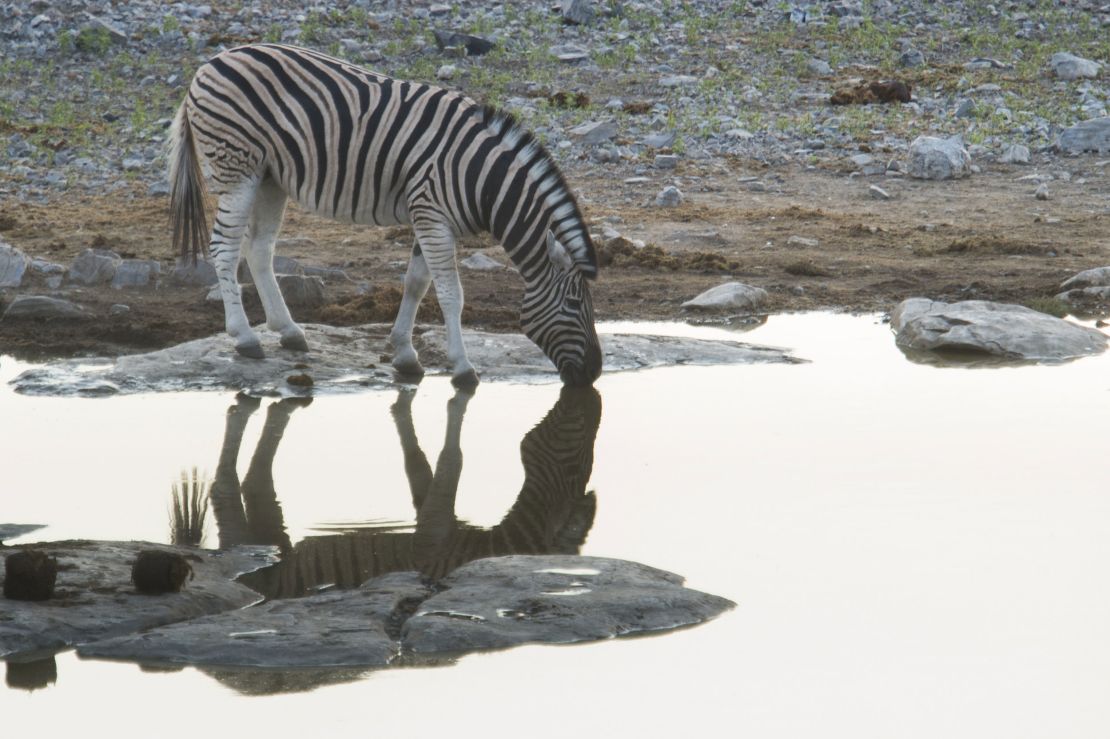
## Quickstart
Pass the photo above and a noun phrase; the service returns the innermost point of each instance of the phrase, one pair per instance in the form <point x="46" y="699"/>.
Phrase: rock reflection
<point x="553" y="512"/>
<point x="33" y="674"/>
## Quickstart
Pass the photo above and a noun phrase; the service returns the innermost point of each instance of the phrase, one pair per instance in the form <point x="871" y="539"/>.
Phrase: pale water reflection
<point x="915" y="551"/>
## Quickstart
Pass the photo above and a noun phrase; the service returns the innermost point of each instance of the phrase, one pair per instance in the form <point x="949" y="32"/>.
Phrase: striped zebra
<point x="267" y="122"/>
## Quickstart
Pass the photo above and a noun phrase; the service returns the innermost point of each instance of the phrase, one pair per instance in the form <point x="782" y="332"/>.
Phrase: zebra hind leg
<point x="266" y="217"/>
<point x="417" y="280"/>
<point x="227" y="235"/>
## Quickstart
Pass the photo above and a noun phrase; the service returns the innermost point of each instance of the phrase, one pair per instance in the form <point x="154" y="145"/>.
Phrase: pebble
<point x="1041" y="192"/>
<point x="669" y="197"/>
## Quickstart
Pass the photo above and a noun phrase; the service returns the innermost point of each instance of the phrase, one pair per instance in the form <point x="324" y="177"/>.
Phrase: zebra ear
<point x="558" y="254"/>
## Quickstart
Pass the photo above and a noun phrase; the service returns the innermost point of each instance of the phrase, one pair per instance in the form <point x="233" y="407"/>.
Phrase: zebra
<point x="267" y="122"/>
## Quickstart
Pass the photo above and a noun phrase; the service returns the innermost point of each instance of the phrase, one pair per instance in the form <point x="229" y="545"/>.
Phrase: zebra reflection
<point x="553" y="512"/>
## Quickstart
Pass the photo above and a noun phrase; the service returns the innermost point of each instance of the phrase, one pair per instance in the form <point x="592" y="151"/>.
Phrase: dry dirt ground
<point x="985" y="237"/>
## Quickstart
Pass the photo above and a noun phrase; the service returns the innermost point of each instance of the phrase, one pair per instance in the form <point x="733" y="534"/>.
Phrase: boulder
<point x="339" y="360"/>
<point x="577" y="12"/>
<point x="1015" y="154"/>
<point x="594" y="132"/>
<point x="136" y="273"/>
<point x="669" y="197"/>
<point x="731" y="296"/>
<point x="996" y="329"/>
<point x="1088" y="288"/>
<point x="486" y="604"/>
<point x="300" y="291"/>
<point x="1071" y="67"/>
<point x="13" y="265"/>
<point x="187" y="273"/>
<point x="479" y="262"/>
<point x="474" y="45"/>
<point x="94" y="267"/>
<point x="933" y="158"/>
<point x="1092" y="135"/>
<point x="1097" y="277"/>
<point x="94" y="582"/>
<point x="39" y="307"/>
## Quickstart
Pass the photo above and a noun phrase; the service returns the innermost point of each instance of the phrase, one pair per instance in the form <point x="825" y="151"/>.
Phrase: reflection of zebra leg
<point x="417" y="470"/>
<point x="264" y="516"/>
<point x="435" y="520"/>
<point x="227" y="504"/>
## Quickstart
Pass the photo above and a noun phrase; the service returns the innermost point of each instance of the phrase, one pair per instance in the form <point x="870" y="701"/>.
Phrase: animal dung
<point x="859" y="92"/>
<point x="156" y="572"/>
<point x="30" y="575"/>
<point x="301" y="380"/>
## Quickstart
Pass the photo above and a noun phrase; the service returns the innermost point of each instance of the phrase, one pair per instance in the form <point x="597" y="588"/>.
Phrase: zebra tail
<point x="187" y="192"/>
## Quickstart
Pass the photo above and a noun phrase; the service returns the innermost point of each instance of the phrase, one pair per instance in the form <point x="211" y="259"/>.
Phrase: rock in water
<point x="156" y="572"/>
<point x="996" y="329"/>
<point x="729" y="296"/>
<point x="933" y="158"/>
<point x="30" y="575"/>
<point x="1092" y="135"/>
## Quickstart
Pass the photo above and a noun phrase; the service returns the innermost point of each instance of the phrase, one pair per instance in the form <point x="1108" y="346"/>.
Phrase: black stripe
<point x="369" y="131"/>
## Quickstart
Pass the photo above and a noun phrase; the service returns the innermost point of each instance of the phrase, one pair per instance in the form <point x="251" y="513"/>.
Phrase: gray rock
<point x="94" y="584"/>
<point x="474" y="45"/>
<point x="13" y="265"/>
<point x="1041" y="193"/>
<point x="818" y="67"/>
<point x="16" y="530"/>
<point x="660" y="140"/>
<point x="37" y="307"/>
<point x="997" y="329"/>
<point x="678" y="80"/>
<point x="94" y="267"/>
<point x="287" y="266"/>
<point x="933" y="158"/>
<point x="115" y="33"/>
<point x="861" y="160"/>
<point x="912" y="58"/>
<point x="1092" y="135"/>
<point x="189" y="274"/>
<point x="446" y="72"/>
<point x="338" y="362"/>
<point x="729" y="296"/>
<point x="796" y="240"/>
<point x="299" y="291"/>
<point x="669" y="197"/>
<point x="119" y="309"/>
<point x="1070" y="67"/>
<point x="666" y="161"/>
<point x="479" y="262"/>
<point x="1015" y="154"/>
<point x="577" y="12"/>
<point x="555" y="599"/>
<point x="594" y="132"/>
<point x="569" y="53"/>
<point x="878" y="193"/>
<point x="136" y="273"/>
<point x="966" y="108"/>
<point x="1097" y="277"/>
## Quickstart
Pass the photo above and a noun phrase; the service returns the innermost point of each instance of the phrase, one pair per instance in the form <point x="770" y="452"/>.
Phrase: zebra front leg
<point x="266" y="216"/>
<point x="227" y="236"/>
<point x="417" y="281"/>
<point x="437" y="244"/>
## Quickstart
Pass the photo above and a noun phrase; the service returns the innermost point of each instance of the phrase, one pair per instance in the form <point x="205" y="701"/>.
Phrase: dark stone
<point x="156" y="572"/>
<point x="32" y="675"/>
<point x="30" y="575"/>
<point x="474" y="45"/>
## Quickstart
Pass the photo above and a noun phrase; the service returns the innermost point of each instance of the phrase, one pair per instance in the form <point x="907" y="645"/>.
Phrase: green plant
<point x="93" y="40"/>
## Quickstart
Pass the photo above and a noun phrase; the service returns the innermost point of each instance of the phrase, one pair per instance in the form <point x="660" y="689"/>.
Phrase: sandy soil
<point x="985" y="237"/>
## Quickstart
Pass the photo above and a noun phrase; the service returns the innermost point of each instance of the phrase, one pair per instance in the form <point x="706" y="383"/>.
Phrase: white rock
<point x="42" y="307"/>
<point x="594" y="132"/>
<point x="933" y="158"/>
<point x="446" y="72"/>
<point x="796" y="240"/>
<point x="729" y="296"/>
<point x="13" y="265"/>
<point x="94" y="267"/>
<point x="669" y="197"/>
<point x="1015" y="154"/>
<point x="1092" y="135"/>
<point x="479" y="262"/>
<point x="1097" y="277"/>
<point x="1041" y="192"/>
<point x="996" y="329"/>
<point x="1070" y="67"/>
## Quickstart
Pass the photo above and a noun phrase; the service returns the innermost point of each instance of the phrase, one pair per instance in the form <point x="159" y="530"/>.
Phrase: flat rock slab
<point x="350" y="359"/>
<point x="13" y="530"/>
<point x="996" y="329"/>
<point x="94" y="598"/>
<point x="490" y="603"/>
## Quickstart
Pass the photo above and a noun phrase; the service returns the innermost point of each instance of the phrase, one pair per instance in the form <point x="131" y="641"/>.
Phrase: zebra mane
<point x="504" y="125"/>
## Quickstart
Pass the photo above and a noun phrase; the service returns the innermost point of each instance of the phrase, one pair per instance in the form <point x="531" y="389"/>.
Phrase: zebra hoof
<point x="251" y="351"/>
<point x="294" y="343"/>
<point x="466" y="381"/>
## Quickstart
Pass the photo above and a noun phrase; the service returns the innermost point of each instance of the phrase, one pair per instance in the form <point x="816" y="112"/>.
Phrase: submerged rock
<point x="997" y="329"/>
<point x="339" y="356"/>
<point x="489" y="603"/>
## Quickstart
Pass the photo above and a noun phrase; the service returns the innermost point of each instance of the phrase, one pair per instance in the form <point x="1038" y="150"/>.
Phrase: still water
<point x="916" y="551"/>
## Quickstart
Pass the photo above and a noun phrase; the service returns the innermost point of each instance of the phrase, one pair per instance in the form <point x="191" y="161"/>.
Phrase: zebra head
<point x="558" y="315"/>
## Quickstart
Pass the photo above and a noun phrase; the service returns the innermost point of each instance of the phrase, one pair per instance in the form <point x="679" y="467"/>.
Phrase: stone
<point x="569" y="53"/>
<point x="136" y="273"/>
<point x="13" y="265"/>
<point x="661" y="140"/>
<point x="1088" y="287"/>
<point x="861" y="160"/>
<point x="669" y="197"/>
<point x="187" y="273"/>
<point x="878" y="193"/>
<point x="474" y="45"/>
<point x="818" y="67"/>
<point x="666" y="161"/>
<point x="678" y="80"/>
<point x="30" y="575"/>
<point x="157" y="572"/>
<point x="796" y="240"/>
<point x="41" y="307"/>
<point x="1015" y="154"/>
<point x="94" y="578"/>
<point x="1041" y="193"/>
<point x="1092" y="135"/>
<point x="934" y="158"/>
<point x="966" y="108"/>
<point x="594" y="132"/>
<point x="287" y="266"/>
<point x="300" y="291"/>
<point x="912" y="58"/>
<point x="729" y="296"/>
<point x="1070" y="67"/>
<point x="577" y="12"/>
<point x="94" y="267"/>
<point x="1097" y="277"/>
<point x="1000" y="330"/>
<point x="339" y="358"/>
<point x="479" y="262"/>
<point x="15" y="530"/>
<point x="446" y="72"/>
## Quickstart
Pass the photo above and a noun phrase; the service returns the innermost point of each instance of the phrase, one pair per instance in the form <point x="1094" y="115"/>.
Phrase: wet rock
<point x="933" y="158"/>
<point x="187" y="273"/>
<point x="1070" y="67"/>
<point x="136" y="273"/>
<point x="40" y="307"/>
<point x="997" y="329"/>
<point x="474" y="45"/>
<point x="481" y="263"/>
<point x="14" y="530"/>
<point x="13" y="265"/>
<point x="94" y="583"/>
<point x="29" y="575"/>
<point x="594" y="132"/>
<point x="157" y="572"/>
<point x="731" y="296"/>
<point x="94" y="267"/>
<point x="669" y="197"/>
<point x="339" y="362"/>
<point x="1015" y="154"/>
<point x="1092" y="135"/>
